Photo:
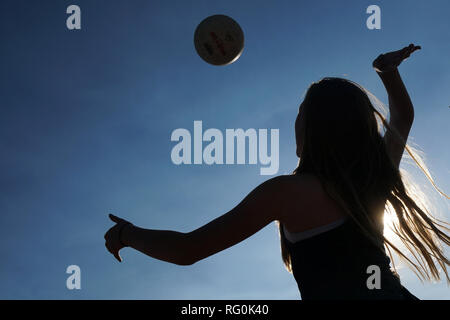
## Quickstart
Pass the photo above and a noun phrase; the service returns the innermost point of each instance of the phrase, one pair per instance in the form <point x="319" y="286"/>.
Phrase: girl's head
<point x="339" y="141"/>
<point x="335" y="118"/>
<point x="337" y="135"/>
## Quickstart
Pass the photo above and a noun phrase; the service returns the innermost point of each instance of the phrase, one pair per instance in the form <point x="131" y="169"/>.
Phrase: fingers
<point x="108" y="247"/>
<point x="117" y="256"/>
<point x="112" y="246"/>
<point x="391" y="60"/>
<point x="115" y="218"/>
<point x="411" y="47"/>
<point x="406" y="51"/>
<point x="107" y="235"/>
<point x="415" y="48"/>
<point x="114" y="252"/>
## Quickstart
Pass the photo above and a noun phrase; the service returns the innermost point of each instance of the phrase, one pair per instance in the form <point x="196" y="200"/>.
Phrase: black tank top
<point x="334" y="266"/>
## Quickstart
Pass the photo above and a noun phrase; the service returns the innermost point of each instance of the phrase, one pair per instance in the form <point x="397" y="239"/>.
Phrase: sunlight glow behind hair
<point x="414" y="158"/>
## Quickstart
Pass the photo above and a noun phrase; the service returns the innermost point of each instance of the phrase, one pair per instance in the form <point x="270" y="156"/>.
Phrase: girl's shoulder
<point x="307" y="183"/>
<point x="306" y="204"/>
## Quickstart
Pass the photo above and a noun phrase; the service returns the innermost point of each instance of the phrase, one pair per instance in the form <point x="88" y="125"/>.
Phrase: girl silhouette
<point x="330" y="210"/>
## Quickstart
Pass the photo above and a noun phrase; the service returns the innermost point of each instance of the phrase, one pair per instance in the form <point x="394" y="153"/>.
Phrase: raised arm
<point x="262" y="206"/>
<point x="401" y="110"/>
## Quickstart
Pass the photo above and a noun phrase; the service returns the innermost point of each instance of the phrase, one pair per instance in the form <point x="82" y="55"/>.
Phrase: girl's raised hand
<point x="391" y="60"/>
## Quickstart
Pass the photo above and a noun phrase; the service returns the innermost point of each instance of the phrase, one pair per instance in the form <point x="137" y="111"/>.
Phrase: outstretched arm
<point x="401" y="110"/>
<point x="262" y="206"/>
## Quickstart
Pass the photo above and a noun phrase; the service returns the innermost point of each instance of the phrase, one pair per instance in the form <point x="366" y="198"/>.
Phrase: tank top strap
<point x="299" y="236"/>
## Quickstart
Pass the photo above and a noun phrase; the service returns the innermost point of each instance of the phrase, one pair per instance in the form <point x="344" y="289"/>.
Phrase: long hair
<point x="341" y="144"/>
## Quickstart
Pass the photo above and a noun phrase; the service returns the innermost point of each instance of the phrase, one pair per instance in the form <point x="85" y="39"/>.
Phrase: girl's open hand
<point x="112" y="236"/>
<point x="391" y="60"/>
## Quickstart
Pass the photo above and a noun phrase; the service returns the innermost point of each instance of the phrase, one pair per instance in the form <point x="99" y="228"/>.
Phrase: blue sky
<point x="86" y="118"/>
